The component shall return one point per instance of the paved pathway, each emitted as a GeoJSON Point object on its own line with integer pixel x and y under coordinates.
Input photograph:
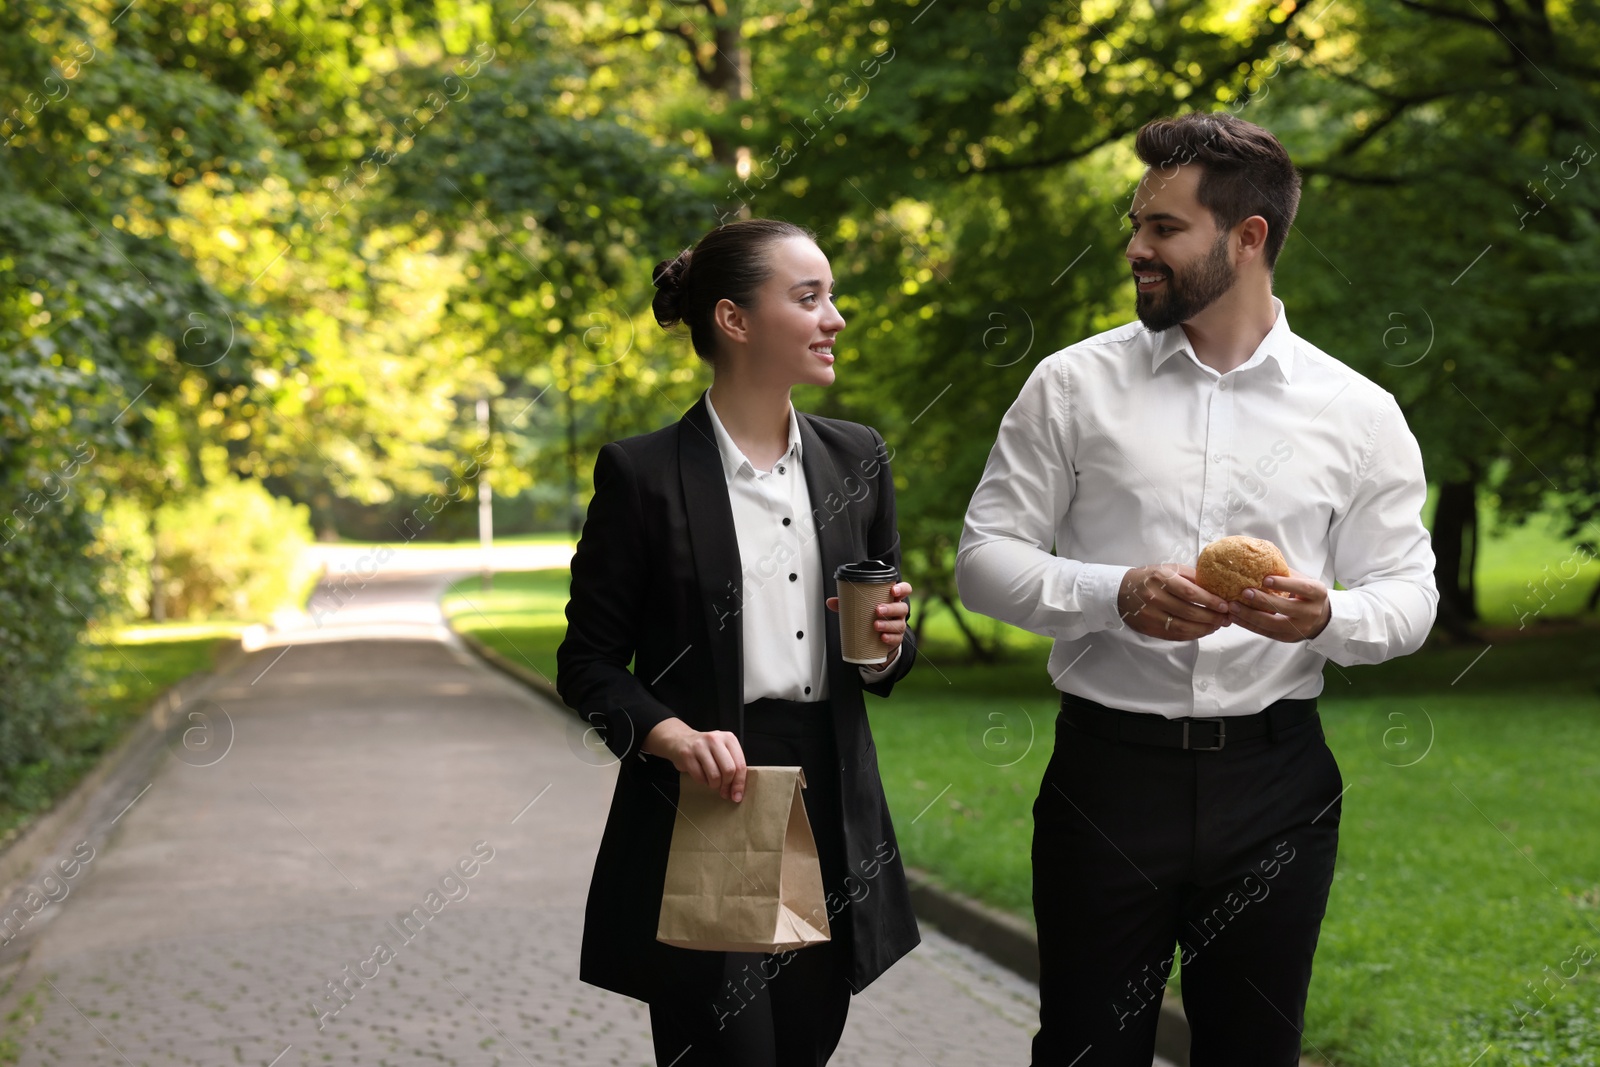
{"type": "Point", "coordinates": [358, 773]}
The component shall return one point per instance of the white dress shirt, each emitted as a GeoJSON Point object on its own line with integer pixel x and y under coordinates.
{"type": "Point", "coordinates": [1125, 450]}
{"type": "Point", "coordinates": [782, 609]}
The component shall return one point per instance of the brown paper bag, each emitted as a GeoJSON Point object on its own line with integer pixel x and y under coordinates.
{"type": "Point", "coordinates": [743, 877]}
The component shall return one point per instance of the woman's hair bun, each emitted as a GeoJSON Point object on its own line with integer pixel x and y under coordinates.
{"type": "Point", "coordinates": [731, 263]}
{"type": "Point", "coordinates": [668, 278]}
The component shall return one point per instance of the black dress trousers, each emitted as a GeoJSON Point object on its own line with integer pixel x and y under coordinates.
{"type": "Point", "coordinates": [779, 1009]}
{"type": "Point", "coordinates": [1220, 861]}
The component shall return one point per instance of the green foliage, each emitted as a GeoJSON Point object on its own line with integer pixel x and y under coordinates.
{"type": "Point", "coordinates": [1448, 234]}
{"type": "Point", "coordinates": [232, 550]}
{"type": "Point", "coordinates": [97, 141]}
{"type": "Point", "coordinates": [294, 242]}
{"type": "Point", "coordinates": [126, 547]}
{"type": "Point", "coordinates": [120, 675]}
{"type": "Point", "coordinates": [557, 208]}
{"type": "Point", "coordinates": [1563, 1034]}
{"type": "Point", "coordinates": [48, 592]}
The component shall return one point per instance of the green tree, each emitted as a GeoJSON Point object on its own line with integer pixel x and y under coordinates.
{"type": "Point", "coordinates": [1450, 153]}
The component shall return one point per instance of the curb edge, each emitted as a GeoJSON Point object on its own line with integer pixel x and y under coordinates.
{"type": "Point", "coordinates": [25, 859]}
{"type": "Point", "coordinates": [1012, 943]}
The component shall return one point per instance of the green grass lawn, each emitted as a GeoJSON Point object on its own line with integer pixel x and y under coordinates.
{"type": "Point", "coordinates": [1469, 859]}
{"type": "Point", "coordinates": [523, 618]}
{"type": "Point", "coordinates": [1527, 575]}
{"type": "Point", "coordinates": [122, 675]}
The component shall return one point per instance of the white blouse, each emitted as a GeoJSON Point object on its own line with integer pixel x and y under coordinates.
{"type": "Point", "coordinates": [782, 613]}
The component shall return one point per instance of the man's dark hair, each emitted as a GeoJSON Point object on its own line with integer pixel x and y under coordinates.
{"type": "Point", "coordinates": [1244, 170]}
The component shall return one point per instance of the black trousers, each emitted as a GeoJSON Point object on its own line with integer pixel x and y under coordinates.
{"type": "Point", "coordinates": [782, 1009]}
{"type": "Point", "coordinates": [1218, 860]}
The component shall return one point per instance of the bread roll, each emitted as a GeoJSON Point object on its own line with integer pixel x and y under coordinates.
{"type": "Point", "coordinates": [1230, 565]}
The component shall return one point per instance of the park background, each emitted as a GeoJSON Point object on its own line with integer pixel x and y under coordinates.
{"type": "Point", "coordinates": [280, 275]}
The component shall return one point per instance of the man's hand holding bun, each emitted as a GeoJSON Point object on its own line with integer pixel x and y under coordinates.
{"type": "Point", "coordinates": [1242, 580]}
{"type": "Point", "coordinates": [1163, 601]}
{"type": "Point", "coordinates": [1264, 595]}
{"type": "Point", "coordinates": [1290, 609]}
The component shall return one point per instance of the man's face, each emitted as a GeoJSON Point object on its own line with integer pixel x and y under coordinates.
{"type": "Point", "coordinates": [1180, 260]}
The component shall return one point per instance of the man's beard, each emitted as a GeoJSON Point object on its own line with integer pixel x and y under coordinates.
{"type": "Point", "coordinates": [1189, 292]}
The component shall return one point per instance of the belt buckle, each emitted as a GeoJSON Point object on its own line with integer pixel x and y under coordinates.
{"type": "Point", "coordinates": [1222, 737]}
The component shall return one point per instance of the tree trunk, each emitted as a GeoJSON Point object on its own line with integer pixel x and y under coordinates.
{"type": "Point", "coordinates": [1455, 546]}
{"type": "Point", "coordinates": [158, 582]}
{"type": "Point", "coordinates": [323, 518]}
{"type": "Point", "coordinates": [730, 76]}
{"type": "Point", "coordinates": [979, 652]}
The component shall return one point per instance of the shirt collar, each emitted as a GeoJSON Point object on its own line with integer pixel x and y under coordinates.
{"type": "Point", "coordinates": [732, 458]}
{"type": "Point", "coordinates": [1277, 345]}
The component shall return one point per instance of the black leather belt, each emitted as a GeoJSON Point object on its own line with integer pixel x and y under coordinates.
{"type": "Point", "coordinates": [1205, 734]}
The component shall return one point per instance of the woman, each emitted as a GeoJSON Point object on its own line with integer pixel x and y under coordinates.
{"type": "Point", "coordinates": [707, 560]}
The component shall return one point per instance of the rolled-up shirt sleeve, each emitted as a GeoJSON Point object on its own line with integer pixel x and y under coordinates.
{"type": "Point", "coordinates": [1382, 554]}
{"type": "Point", "coordinates": [1005, 566]}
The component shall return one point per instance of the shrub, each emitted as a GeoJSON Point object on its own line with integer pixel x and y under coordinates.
{"type": "Point", "coordinates": [232, 550]}
{"type": "Point", "coordinates": [48, 589]}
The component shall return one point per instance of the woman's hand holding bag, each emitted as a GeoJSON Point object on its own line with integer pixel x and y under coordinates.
{"type": "Point", "coordinates": [711, 757]}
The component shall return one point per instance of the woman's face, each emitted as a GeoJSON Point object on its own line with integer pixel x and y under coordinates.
{"type": "Point", "coordinates": [789, 332]}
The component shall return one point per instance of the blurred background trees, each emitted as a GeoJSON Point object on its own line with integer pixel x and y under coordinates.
{"type": "Point", "coordinates": [284, 248]}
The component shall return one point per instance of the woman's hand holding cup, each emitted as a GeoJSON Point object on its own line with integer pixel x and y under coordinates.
{"type": "Point", "coordinates": [711, 757]}
{"type": "Point", "coordinates": [877, 597]}
{"type": "Point", "coordinates": [890, 621]}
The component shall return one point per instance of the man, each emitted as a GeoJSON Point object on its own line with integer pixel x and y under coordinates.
{"type": "Point", "coordinates": [1191, 807]}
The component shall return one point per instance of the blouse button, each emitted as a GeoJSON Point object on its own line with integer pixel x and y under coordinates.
{"type": "Point", "coordinates": [799, 633]}
{"type": "Point", "coordinates": [780, 468]}
{"type": "Point", "coordinates": [786, 522]}
{"type": "Point", "coordinates": [808, 690]}
{"type": "Point", "coordinates": [794, 577]}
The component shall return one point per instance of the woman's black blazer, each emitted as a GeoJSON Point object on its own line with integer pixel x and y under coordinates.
{"type": "Point", "coordinates": [656, 581]}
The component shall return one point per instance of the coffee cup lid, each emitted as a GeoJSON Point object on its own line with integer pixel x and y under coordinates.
{"type": "Point", "coordinates": [867, 570]}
